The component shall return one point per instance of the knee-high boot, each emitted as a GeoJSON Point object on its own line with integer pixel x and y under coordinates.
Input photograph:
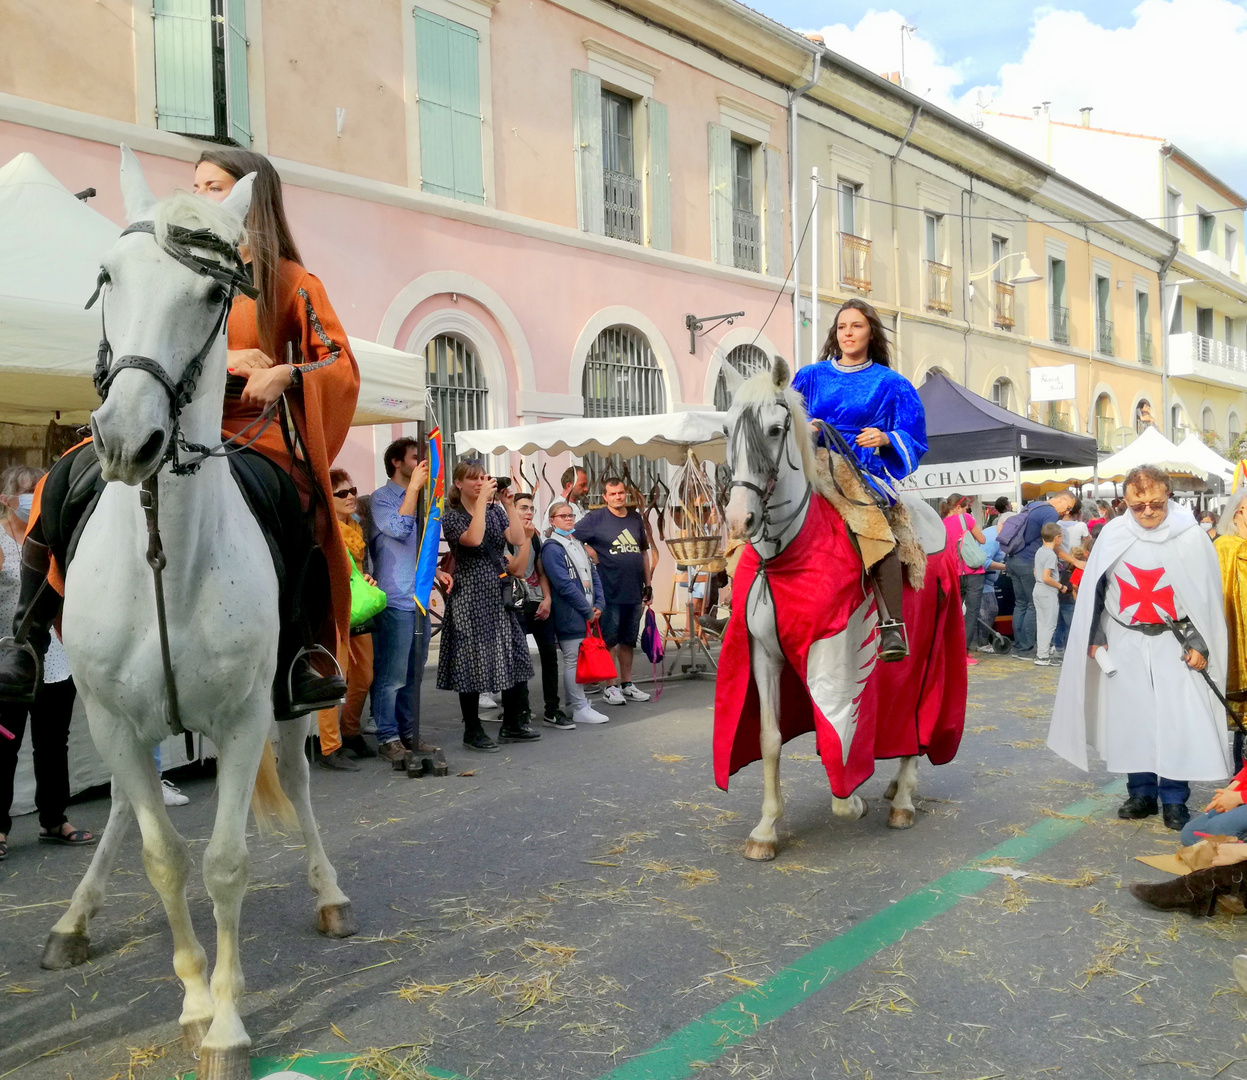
{"type": "Point", "coordinates": [886, 583]}
{"type": "Point", "coordinates": [1197, 892]}
{"type": "Point", "coordinates": [21, 656]}
{"type": "Point", "coordinates": [300, 688]}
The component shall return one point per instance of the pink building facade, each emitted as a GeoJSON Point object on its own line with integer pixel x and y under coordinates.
{"type": "Point", "coordinates": [529, 198]}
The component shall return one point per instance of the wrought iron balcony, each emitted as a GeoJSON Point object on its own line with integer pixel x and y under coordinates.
{"type": "Point", "coordinates": [1104, 337]}
{"type": "Point", "coordinates": [1145, 347]}
{"type": "Point", "coordinates": [939, 288]}
{"type": "Point", "coordinates": [1004, 305]}
{"type": "Point", "coordinates": [746, 241]}
{"type": "Point", "coordinates": [1058, 321]}
{"type": "Point", "coordinates": [855, 261]}
{"type": "Point", "coordinates": [622, 199]}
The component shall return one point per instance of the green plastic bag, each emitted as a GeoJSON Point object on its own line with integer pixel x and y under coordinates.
{"type": "Point", "coordinates": [367, 600]}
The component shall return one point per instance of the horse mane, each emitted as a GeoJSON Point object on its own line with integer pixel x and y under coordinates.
{"type": "Point", "coordinates": [760, 389]}
{"type": "Point", "coordinates": [195, 212]}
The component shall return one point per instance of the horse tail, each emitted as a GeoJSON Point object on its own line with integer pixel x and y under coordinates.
{"type": "Point", "coordinates": [269, 803]}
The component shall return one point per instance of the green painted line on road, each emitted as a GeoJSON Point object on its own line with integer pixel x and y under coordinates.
{"type": "Point", "coordinates": [712, 1035]}
{"type": "Point", "coordinates": [322, 1067]}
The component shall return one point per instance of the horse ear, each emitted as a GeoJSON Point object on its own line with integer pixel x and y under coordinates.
{"type": "Point", "coordinates": [138, 196]}
{"type": "Point", "coordinates": [780, 374]}
{"type": "Point", "coordinates": [238, 201]}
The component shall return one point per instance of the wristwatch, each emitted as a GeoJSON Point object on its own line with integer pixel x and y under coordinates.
{"type": "Point", "coordinates": [296, 377]}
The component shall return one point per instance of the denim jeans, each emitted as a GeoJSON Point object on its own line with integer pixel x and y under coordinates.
{"type": "Point", "coordinates": [400, 651]}
{"type": "Point", "coordinates": [1022, 573]}
{"type": "Point", "coordinates": [573, 692]}
{"type": "Point", "coordinates": [1231, 823]}
{"type": "Point", "coordinates": [972, 599]}
{"type": "Point", "coordinates": [1147, 785]}
{"type": "Point", "coordinates": [1065, 617]}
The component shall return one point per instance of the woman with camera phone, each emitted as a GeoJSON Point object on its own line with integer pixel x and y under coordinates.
{"type": "Point", "coordinates": [483, 646]}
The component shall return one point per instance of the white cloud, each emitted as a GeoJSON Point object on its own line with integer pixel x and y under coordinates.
{"type": "Point", "coordinates": [1176, 71]}
{"type": "Point", "coordinates": [875, 43]}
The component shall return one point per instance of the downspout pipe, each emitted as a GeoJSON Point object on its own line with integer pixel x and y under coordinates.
{"type": "Point", "coordinates": [896, 235]}
{"type": "Point", "coordinates": [793, 172]}
{"type": "Point", "coordinates": [1164, 336]}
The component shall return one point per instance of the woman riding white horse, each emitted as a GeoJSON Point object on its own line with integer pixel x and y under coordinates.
{"type": "Point", "coordinates": [168, 283]}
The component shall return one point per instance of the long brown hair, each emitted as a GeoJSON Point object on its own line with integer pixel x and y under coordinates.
{"type": "Point", "coordinates": [877, 350]}
{"type": "Point", "coordinates": [467, 469]}
{"type": "Point", "coordinates": [268, 234]}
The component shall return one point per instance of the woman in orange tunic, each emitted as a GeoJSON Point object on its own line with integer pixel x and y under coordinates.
{"type": "Point", "coordinates": [287, 342]}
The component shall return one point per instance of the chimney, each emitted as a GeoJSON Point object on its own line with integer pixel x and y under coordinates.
{"type": "Point", "coordinates": [1084, 116]}
{"type": "Point", "coordinates": [816, 38]}
{"type": "Point", "coordinates": [1045, 106]}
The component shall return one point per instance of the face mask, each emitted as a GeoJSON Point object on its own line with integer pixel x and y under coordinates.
{"type": "Point", "coordinates": [25, 503]}
{"type": "Point", "coordinates": [563, 532]}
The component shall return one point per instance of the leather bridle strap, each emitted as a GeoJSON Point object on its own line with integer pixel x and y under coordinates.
{"type": "Point", "coordinates": [149, 498]}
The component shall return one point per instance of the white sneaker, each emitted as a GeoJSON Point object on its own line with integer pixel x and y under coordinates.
{"type": "Point", "coordinates": [631, 690]}
{"type": "Point", "coordinates": [487, 702]}
{"type": "Point", "coordinates": [987, 648]}
{"type": "Point", "coordinates": [589, 715]}
{"type": "Point", "coordinates": [612, 695]}
{"type": "Point", "coordinates": [173, 797]}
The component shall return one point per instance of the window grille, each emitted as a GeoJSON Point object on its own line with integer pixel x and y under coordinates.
{"type": "Point", "coordinates": [747, 360]}
{"type": "Point", "coordinates": [746, 241]}
{"type": "Point", "coordinates": [1003, 304]}
{"type": "Point", "coordinates": [622, 378]}
{"type": "Point", "coordinates": [939, 288]}
{"type": "Point", "coordinates": [457, 387]}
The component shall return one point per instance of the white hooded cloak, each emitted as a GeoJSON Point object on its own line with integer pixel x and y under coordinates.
{"type": "Point", "coordinates": [1156, 714]}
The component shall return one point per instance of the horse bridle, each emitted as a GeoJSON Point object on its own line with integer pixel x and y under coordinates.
{"type": "Point", "coordinates": [232, 277]}
{"type": "Point", "coordinates": [772, 478]}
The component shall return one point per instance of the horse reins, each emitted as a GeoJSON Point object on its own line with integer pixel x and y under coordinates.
{"type": "Point", "coordinates": [772, 478]}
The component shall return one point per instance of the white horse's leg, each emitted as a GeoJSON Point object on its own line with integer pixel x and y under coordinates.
{"type": "Point", "coordinates": [68, 942]}
{"type": "Point", "coordinates": [761, 845]}
{"type": "Point", "coordinates": [225, 1054]}
{"type": "Point", "coordinates": [901, 792]}
{"type": "Point", "coordinates": [166, 858]}
{"type": "Point", "coordinates": [853, 807]}
{"type": "Point", "coordinates": [333, 908]}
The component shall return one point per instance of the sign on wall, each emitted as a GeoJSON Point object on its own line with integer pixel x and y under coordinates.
{"type": "Point", "coordinates": [1053, 383]}
{"type": "Point", "coordinates": [985, 477]}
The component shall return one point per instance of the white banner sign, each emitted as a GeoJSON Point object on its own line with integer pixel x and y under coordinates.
{"type": "Point", "coordinates": [1053, 383]}
{"type": "Point", "coordinates": [987, 477]}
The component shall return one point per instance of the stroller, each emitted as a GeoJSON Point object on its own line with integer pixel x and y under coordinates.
{"type": "Point", "coordinates": [999, 643]}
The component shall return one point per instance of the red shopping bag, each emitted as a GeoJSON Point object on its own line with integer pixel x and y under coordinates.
{"type": "Point", "coordinates": [594, 663]}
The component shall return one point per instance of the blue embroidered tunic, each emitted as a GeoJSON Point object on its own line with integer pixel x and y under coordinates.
{"type": "Point", "coordinates": [851, 399]}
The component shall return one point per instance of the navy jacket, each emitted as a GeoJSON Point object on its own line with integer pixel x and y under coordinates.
{"type": "Point", "coordinates": [569, 608]}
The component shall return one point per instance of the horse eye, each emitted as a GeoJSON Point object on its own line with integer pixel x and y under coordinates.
{"type": "Point", "coordinates": [217, 294]}
{"type": "Point", "coordinates": [774, 431]}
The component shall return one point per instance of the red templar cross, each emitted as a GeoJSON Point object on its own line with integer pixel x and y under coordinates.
{"type": "Point", "coordinates": [1151, 600]}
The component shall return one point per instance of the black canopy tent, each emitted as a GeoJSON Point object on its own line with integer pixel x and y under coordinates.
{"type": "Point", "coordinates": [961, 426]}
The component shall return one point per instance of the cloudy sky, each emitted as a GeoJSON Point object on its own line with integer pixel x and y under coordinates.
{"type": "Point", "coordinates": [1174, 68]}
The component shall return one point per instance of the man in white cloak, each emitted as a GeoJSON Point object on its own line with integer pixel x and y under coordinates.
{"type": "Point", "coordinates": [1154, 717]}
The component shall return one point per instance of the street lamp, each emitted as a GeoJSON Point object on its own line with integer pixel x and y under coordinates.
{"type": "Point", "coordinates": [1025, 275]}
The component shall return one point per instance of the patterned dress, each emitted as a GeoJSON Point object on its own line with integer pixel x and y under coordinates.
{"type": "Point", "coordinates": [483, 648]}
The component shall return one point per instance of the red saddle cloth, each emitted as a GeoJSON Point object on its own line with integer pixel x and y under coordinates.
{"type": "Point", "coordinates": [913, 707]}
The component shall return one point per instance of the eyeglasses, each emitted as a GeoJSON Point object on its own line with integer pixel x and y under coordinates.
{"type": "Point", "coordinates": [345, 492]}
{"type": "Point", "coordinates": [1154, 507]}
{"type": "Point", "coordinates": [561, 517]}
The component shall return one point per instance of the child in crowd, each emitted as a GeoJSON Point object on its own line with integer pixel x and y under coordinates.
{"type": "Point", "coordinates": [1048, 588]}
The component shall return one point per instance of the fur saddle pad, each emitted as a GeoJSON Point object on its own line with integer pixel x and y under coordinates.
{"type": "Point", "coordinates": [839, 485]}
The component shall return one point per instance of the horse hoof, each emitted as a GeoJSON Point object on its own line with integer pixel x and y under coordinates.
{"type": "Point", "coordinates": [62, 951]}
{"type": "Point", "coordinates": [193, 1034]}
{"type": "Point", "coordinates": [233, 1064]}
{"type": "Point", "coordinates": [890, 794]}
{"type": "Point", "coordinates": [760, 850]}
{"type": "Point", "coordinates": [336, 920]}
{"type": "Point", "coordinates": [901, 819]}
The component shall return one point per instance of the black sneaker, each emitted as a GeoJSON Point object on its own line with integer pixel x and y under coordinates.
{"type": "Point", "coordinates": [337, 761]}
{"type": "Point", "coordinates": [481, 741]}
{"type": "Point", "coordinates": [1137, 807]}
{"type": "Point", "coordinates": [1175, 815]}
{"type": "Point", "coordinates": [559, 720]}
{"type": "Point", "coordinates": [518, 733]}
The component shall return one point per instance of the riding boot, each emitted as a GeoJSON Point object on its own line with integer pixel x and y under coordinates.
{"type": "Point", "coordinates": [1195, 893]}
{"type": "Point", "coordinates": [300, 687]}
{"type": "Point", "coordinates": [885, 581]}
{"type": "Point", "coordinates": [21, 656]}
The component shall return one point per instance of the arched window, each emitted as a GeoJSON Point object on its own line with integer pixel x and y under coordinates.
{"type": "Point", "coordinates": [457, 388]}
{"type": "Point", "coordinates": [1143, 418]}
{"type": "Point", "coordinates": [1177, 423]}
{"type": "Point", "coordinates": [1235, 427]}
{"type": "Point", "coordinates": [932, 372]}
{"type": "Point", "coordinates": [1105, 422]}
{"type": "Point", "coordinates": [622, 378]}
{"type": "Point", "coordinates": [1207, 422]}
{"type": "Point", "coordinates": [746, 360]}
{"type": "Point", "coordinates": [1002, 394]}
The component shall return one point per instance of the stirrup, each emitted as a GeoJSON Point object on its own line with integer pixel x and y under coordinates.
{"type": "Point", "coordinates": [893, 655]}
{"type": "Point", "coordinates": [310, 650]}
{"type": "Point", "coordinates": [27, 698]}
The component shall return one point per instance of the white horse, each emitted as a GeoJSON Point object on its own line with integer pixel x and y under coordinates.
{"type": "Point", "coordinates": [220, 592]}
{"type": "Point", "coordinates": [770, 502]}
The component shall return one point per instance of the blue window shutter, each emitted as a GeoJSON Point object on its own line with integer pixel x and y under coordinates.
{"type": "Point", "coordinates": [183, 32]}
{"type": "Point", "coordinates": [659, 177]}
{"type": "Point", "coordinates": [448, 84]}
{"type": "Point", "coordinates": [465, 112]}
{"type": "Point", "coordinates": [721, 195]}
{"type": "Point", "coordinates": [237, 99]}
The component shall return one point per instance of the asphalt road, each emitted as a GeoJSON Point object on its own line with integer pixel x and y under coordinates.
{"type": "Point", "coordinates": [579, 908]}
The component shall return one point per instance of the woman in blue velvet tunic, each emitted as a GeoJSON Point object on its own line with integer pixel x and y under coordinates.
{"type": "Point", "coordinates": [854, 389]}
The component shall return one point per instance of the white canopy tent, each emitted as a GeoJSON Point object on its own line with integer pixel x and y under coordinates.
{"type": "Point", "coordinates": [658, 436]}
{"type": "Point", "coordinates": [1191, 458]}
{"type": "Point", "coordinates": [1199, 451]}
{"type": "Point", "coordinates": [51, 244]}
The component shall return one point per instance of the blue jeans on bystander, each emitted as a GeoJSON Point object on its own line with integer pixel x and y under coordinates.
{"type": "Point", "coordinates": [1147, 785]}
{"type": "Point", "coordinates": [401, 649]}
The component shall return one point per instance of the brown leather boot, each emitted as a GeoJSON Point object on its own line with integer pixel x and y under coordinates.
{"type": "Point", "coordinates": [1195, 893]}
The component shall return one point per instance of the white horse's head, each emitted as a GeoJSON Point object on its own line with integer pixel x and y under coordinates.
{"type": "Point", "coordinates": [160, 312]}
{"type": "Point", "coordinates": [768, 447]}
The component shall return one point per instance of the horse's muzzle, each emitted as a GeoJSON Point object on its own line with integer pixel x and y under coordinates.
{"type": "Point", "coordinates": [130, 445]}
